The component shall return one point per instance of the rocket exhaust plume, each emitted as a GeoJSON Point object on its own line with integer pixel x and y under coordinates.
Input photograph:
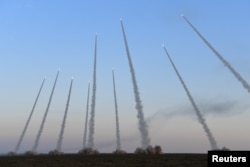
{"type": "Point", "coordinates": [45, 116]}
{"type": "Point", "coordinates": [60, 138]}
{"type": "Point", "coordinates": [220, 57]}
{"type": "Point", "coordinates": [86, 120]}
{"type": "Point", "coordinates": [118, 139]}
{"type": "Point", "coordinates": [92, 113]}
{"type": "Point", "coordinates": [198, 113]}
{"type": "Point", "coordinates": [142, 124]}
{"type": "Point", "coordinates": [28, 121]}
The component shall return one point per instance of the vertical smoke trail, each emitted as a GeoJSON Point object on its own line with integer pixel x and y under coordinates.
{"type": "Point", "coordinates": [60, 138]}
{"type": "Point", "coordinates": [118, 139]}
{"type": "Point", "coordinates": [45, 116]}
{"type": "Point", "coordinates": [198, 113]}
{"type": "Point", "coordinates": [92, 113]}
{"type": "Point", "coordinates": [28, 121]}
{"type": "Point", "coordinates": [86, 120]}
{"type": "Point", "coordinates": [142, 124]}
{"type": "Point", "coordinates": [227, 64]}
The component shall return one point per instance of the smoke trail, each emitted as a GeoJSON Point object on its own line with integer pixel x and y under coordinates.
{"type": "Point", "coordinates": [60, 138]}
{"type": "Point", "coordinates": [28, 121]}
{"type": "Point", "coordinates": [225, 62]}
{"type": "Point", "coordinates": [198, 113]}
{"type": "Point", "coordinates": [45, 116]}
{"type": "Point", "coordinates": [142, 124]}
{"type": "Point", "coordinates": [92, 113]}
{"type": "Point", "coordinates": [86, 120]}
{"type": "Point", "coordinates": [118, 139]}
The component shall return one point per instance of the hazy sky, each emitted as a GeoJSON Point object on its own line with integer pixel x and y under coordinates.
{"type": "Point", "coordinates": [39, 36]}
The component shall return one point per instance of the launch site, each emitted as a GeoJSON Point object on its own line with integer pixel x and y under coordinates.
{"type": "Point", "coordinates": [123, 83]}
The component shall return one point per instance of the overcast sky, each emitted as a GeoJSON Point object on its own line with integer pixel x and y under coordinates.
{"type": "Point", "coordinates": [39, 36]}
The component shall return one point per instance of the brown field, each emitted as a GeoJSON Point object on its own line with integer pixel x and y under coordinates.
{"type": "Point", "coordinates": [106, 160]}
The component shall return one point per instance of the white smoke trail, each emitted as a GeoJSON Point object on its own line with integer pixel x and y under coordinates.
{"type": "Point", "coordinates": [28, 121]}
{"type": "Point", "coordinates": [92, 113]}
{"type": "Point", "coordinates": [45, 116]}
{"type": "Point", "coordinates": [86, 120]}
{"type": "Point", "coordinates": [142, 124]}
{"type": "Point", "coordinates": [60, 138]}
{"type": "Point", "coordinates": [221, 58]}
{"type": "Point", "coordinates": [198, 113]}
{"type": "Point", "coordinates": [118, 139]}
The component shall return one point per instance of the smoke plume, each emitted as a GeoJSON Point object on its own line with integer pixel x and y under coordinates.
{"type": "Point", "coordinates": [142, 124]}
{"type": "Point", "coordinates": [92, 113]}
{"type": "Point", "coordinates": [28, 121]}
{"type": "Point", "coordinates": [60, 138]}
{"type": "Point", "coordinates": [45, 116]}
{"type": "Point", "coordinates": [212, 107]}
{"type": "Point", "coordinates": [221, 58]}
{"type": "Point", "coordinates": [198, 113]}
{"type": "Point", "coordinates": [118, 139]}
{"type": "Point", "coordinates": [86, 120]}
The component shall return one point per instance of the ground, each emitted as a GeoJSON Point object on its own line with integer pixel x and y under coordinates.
{"type": "Point", "coordinates": [106, 160]}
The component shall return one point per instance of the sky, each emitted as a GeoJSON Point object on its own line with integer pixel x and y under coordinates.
{"type": "Point", "coordinates": [39, 36]}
